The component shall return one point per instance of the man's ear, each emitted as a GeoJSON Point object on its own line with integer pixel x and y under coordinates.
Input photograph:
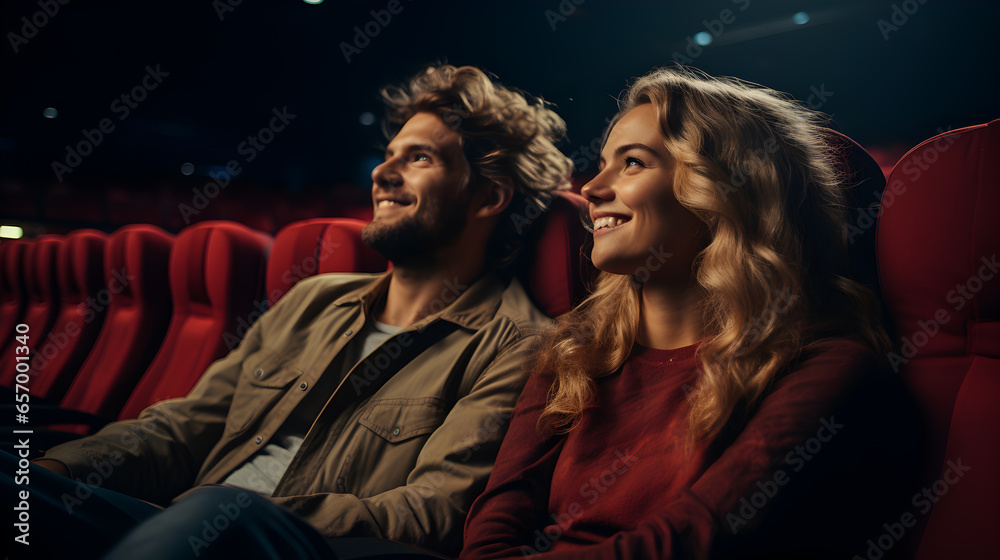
{"type": "Point", "coordinates": [498, 197]}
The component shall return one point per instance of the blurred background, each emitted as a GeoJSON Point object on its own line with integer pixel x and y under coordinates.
{"type": "Point", "coordinates": [122, 112]}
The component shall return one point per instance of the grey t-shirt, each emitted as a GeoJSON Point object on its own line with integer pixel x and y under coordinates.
{"type": "Point", "coordinates": [262, 471]}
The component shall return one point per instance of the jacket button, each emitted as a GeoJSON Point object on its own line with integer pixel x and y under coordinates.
{"type": "Point", "coordinates": [258, 373]}
{"type": "Point", "coordinates": [303, 385]}
{"type": "Point", "coordinates": [258, 440]}
{"type": "Point", "coordinates": [349, 332]}
{"type": "Point", "coordinates": [395, 432]}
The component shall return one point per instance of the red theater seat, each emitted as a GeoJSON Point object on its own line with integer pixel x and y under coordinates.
{"type": "Point", "coordinates": [316, 246]}
{"type": "Point", "coordinates": [138, 300]}
{"type": "Point", "coordinates": [865, 187]}
{"type": "Point", "coordinates": [557, 270]}
{"type": "Point", "coordinates": [217, 285]}
{"type": "Point", "coordinates": [938, 245]}
{"type": "Point", "coordinates": [43, 300]}
{"type": "Point", "coordinates": [81, 315]}
{"type": "Point", "coordinates": [13, 293]}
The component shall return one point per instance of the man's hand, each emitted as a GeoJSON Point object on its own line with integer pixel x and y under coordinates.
{"type": "Point", "coordinates": [55, 466]}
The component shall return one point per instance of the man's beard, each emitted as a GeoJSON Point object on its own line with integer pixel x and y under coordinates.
{"type": "Point", "coordinates": [412, 240]}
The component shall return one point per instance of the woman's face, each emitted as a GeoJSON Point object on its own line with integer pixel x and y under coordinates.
{"type": "Point", "coordinates": [639, 226]}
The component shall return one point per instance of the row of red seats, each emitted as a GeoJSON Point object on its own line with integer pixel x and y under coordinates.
{"type": "Point", "coordinates": [123, 317]}
{"type": "Point", "coordinates": [119, 322]}
{"type": "Point", "coordinates": [175, 204]}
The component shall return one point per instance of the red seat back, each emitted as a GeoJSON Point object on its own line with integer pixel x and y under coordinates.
{"type": "Point", "coordinates": [13, 293]}
{"type": "Point", "coordinates": [558, 270]}
{"type": "Point", "coordinates": [138, 311]}
{"type": "Point", "coordinates": [865, 185]}
{"type": "Point", "coordinates": [42, 301]}
{"type": "Point", "coordinates": [217, 285]}
{"type": "Point", "coordinates": [938, 245]}
{"type": "Point", "coordinates": [81, 278]}
{"type": "Point", "coordinates": [321, 245]}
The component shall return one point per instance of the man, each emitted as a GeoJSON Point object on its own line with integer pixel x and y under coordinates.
{"type": "Point", "coordinates": [368, 405]}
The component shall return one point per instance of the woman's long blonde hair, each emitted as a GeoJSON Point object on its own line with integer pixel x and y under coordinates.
{"type": "Point", "coordinates": [754, 166]}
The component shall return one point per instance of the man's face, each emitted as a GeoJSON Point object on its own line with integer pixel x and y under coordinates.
{"type": "Point", "coordinates": [420, 192]}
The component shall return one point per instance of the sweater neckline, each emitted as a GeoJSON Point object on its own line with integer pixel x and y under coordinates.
{"type": "Point", "coordinates": [659, 356]}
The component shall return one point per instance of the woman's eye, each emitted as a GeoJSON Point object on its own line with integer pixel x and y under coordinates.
{"type": "Point", "coordinates": [633, 162]}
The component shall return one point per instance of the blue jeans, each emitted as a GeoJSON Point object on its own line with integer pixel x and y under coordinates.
{"type": "Point", "coordinates": [71, 519]}
{"type": "Point", "coordinates": [63, 518]}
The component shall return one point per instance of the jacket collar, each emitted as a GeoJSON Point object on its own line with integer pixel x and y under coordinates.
{"type": "Point", "coordinates": [469, 307]}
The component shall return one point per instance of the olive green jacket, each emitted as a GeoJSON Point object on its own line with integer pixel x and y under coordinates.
{"type": "Point", "coordinates": [401, 449]}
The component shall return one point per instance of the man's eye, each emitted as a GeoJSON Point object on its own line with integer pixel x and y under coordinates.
{"type": "Point", "coordinates": [420, 156]}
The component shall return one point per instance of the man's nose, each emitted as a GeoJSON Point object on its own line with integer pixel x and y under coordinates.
{"type": "Point", "coordinates": [386, 174]}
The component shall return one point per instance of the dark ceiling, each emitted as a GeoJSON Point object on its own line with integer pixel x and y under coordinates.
{"type": "Point", "coordinates": [931, 65]}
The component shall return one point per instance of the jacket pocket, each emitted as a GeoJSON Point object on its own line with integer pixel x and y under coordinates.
{"type": "Point", "coordinates": [261, 384]}
{"type": "Point", "coordinates": [397, 420]}
{"type": "Point", "coordinates": [382, 451]}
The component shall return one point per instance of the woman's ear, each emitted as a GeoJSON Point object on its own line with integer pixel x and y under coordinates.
{"type": "Point", "coordinates": [498, 197]}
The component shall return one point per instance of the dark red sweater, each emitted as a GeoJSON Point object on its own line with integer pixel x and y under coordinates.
{"type": "Point", "coordinates": [624, 483]}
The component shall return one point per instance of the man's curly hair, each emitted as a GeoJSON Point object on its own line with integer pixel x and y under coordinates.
{"type": "Point", "coordinates": [506, 135]}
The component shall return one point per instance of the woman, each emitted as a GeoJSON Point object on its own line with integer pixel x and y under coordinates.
{"type": "Point", "coordinates": [717, 392]}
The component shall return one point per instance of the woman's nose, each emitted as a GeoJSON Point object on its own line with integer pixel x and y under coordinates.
{"type": "Point", "coordinates": [597, 189]}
